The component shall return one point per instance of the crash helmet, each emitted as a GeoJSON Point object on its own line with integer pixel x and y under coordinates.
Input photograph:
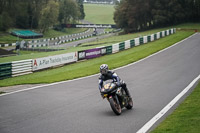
{"type": "Point", "coordinates": [104, 69]}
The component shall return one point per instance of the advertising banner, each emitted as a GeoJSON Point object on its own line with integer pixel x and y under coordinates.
{"type": "Point", "coordinates": [50, 61]}
{"type": "Point", "coordinates": [92, 53]}
{"type": "Point", "coordinates": [103, 50]}
{"type": "Point", "coordinates": [81, 55]}
{"type": "Point", "coordinates": [104, 26]}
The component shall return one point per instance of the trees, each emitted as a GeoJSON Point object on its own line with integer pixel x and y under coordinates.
{"type": "Point", "coordinates": [49, 15]}
{"type": "Point", "coordinates": [69, 11]}
{"type": "Point", "coordinates": [135, 15]}
{"type": "Point", "coordinates": [39, 13]}
{"type": "Point", "coordinates": [5, 21]}
{"type": "Point", "coordinates": [81, 8]}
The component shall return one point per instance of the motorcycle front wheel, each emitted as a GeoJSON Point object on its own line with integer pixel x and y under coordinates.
{"type": "Point", "coordinates": [115, 106]}
{"type": "Point", "coordinates": [130, 104]}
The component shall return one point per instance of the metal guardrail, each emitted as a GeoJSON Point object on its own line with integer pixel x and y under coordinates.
{"type": "Point", "coordinates": [21, 67]}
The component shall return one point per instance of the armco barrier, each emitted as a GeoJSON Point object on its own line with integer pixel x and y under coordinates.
{"type": "Point", "coordinates": [17, 68]}
{"type": "Point", "coordinates": [121, 46]}
{"type": "Point", "coordinates": [141, 40]}
{"type": "Point", "coordinates": [115, 48]}
{"type": "Point", "coordinates": [137, 41]}
{"type": "Point", "coordinates": [145, 39]}
{"type": "Point", "coordinates": [132, 43]}
{"type": "Point", "coordinates": [158, 35]}
{"type": "Point", "coordinates": [5, 70]}
{"type": "Point", "coordinates": [21, 67]}
{"type": "Point", "coordinates": [109, 49]}
{"type": "Point", "coordinates": [149, 38]}
{"type": "Point", "coordinates": [127, 44]}
{"type": "Point", "coordinates": [155, 36]}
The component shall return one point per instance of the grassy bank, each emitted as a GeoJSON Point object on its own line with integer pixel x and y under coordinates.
{"type": "Point", "coordinates": [102, 42]}
{"type": "Point", "coordinates": [6, 38]}
{"type": "Point", "coordinates": [81, 69]}
{"type": "Point", "coordinates": [99, 14]}
{"type": "Point", "coordinates": [186, 118]}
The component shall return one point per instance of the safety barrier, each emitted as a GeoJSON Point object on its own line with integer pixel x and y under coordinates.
{"type": "Point", "coordinates": [5, 70]}
{"type": "Point", "coordinates": [57, 40]}
{"type": "Point", "coordinates": [44, 42]}
{"type": "Point", "coordinates": [17, 68]}
{"type": "Point", "coordinates": [21, 67]}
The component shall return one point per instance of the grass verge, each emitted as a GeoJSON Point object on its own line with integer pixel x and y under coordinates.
{"type": "Point", "coordinates": [99, 14]}
{"type": "Point", "coordinates": [90, 67]}
{"type": "Point", "coordinates": [1, 92]}
{"type": "Point", "coordinates": [186, 118]}
{"type": "Point", "coordinates": [6, 38]}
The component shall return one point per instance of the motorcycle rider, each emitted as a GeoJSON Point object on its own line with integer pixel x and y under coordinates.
{"type": "Point", "coordinates": [106, 74]}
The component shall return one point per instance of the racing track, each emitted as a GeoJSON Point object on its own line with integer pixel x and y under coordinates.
{"type": "Point", "coordinates": [77, 107]}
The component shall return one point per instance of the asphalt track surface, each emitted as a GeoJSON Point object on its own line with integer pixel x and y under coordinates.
{"type": "Point", "coordinates": [77, 107]}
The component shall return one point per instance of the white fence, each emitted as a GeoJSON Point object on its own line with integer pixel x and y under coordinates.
{"type": "Point", "coordinates": [21, 67]}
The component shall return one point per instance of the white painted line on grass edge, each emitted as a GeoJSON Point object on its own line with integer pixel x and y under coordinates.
{"type": "Point", "coordinates": [150, 123]}
{"type": "Point", "coordinates": [36, 87]}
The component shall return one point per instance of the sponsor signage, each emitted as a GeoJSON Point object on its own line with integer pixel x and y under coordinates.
{"type": "Point", "coordinates": [50, 61]}
{"type": "Point", "coordinates": [88, 26]}
{"type": "Point", "coordinates": [103, 51]}
{"type": "Point", "coordinates": [90, 53]}
{"type": "Point", "coordinates": [81, 55]}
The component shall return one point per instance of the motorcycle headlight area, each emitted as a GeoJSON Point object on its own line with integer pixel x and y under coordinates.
{"type": "Point", "coordinates": [102, 90]}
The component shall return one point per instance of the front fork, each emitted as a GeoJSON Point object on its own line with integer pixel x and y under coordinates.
{"type": "Point", "coordinates": [116, 98]}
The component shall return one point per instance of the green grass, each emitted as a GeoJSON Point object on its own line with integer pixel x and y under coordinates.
{"type": "Point", "coordinates": [80, 69]}
{"type": "Point", "coordinates": [6, 38]}
{"type": "Point", "coordinates": [53, 33]}
{"type": "Point", "coordinates": [103, 42]}
{"type": "Point", "coordinates": [186, 118]}
{"type": "Point", "coordinates": [121, 38]}
{"type": "Point", "coordinates": [99, 14]}
{"type": "Point", "coordinates": [23, 52]}
{"type": "Point", "coordinates": [1, 92]}
{"type": "Point", "coordinates": [32, 55]}
{"type": "Point", "coordinates": [189, 26]}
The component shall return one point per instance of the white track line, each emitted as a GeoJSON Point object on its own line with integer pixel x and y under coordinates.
{"type": "Point", "coordinates": [32, 88]}
{"type": "Point", "coordinates": [150, 123]}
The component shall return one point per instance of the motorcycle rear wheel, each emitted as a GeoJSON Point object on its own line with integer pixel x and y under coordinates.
{"type": "Point", "coordinates": [115, 106]}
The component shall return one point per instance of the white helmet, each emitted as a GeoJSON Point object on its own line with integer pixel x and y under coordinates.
{"type": "Point", "coordinates": [104, 69]}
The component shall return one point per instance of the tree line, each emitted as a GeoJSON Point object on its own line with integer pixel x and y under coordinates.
{"type": "Point", "coordinates": [39, 14]}
{"type": "Point", "coordinates": [137, 15]}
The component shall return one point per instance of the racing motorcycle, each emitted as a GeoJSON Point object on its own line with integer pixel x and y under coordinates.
{"type": "Point", "coordinates": [117, 97]}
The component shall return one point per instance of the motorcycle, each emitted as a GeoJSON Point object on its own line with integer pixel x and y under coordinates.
{"type": "Point", "coordinates": [117, 97]}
